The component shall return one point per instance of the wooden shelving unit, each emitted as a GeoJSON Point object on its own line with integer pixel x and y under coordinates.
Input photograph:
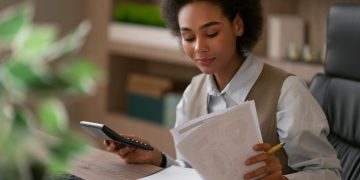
{"type": "Point", "coordinates": [145, 42]}
{"type": "Point", "coordinates": [157, 45]}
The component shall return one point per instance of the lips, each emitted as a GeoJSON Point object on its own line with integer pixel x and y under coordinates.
{"type": "Point", "coordinates": [205, 61]}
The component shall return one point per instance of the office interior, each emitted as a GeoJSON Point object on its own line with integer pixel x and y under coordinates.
{"type": "Point", "coordinates": [129, 53]}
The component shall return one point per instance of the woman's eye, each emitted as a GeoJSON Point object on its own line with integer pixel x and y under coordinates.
{"type": "Point", "coordinates": [211, 35]}
{"type": "Point", "coordinates": [189, 39]}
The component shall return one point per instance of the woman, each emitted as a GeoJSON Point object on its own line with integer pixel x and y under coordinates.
{"type": "Point", "coordinates": [218, 35]}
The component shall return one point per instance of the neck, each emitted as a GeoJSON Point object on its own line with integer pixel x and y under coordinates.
{"type": "Point", "coordinates": [224, 77]}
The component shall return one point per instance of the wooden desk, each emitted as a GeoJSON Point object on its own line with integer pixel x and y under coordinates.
{"type": "Point", "coordinates": [98, 164]}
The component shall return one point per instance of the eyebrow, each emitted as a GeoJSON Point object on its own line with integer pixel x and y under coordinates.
{"type": "Point", "coordinates": [212, 23]}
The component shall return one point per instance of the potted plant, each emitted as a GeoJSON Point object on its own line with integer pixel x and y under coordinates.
{"type": "Point", "coordinates": [38, 72]}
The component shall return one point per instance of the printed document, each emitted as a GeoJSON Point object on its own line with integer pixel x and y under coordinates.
{"type": "Point", "coordinates": [217, 145]}
{"type": "Point", "coordinates": [174, 173]}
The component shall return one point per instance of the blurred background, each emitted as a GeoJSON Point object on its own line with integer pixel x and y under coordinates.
{"type": "Point", "coordinates": [144, 69]}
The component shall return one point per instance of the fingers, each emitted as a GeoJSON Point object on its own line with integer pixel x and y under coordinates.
{"type": "Point", "coordinates": [123, 152]}
{"type": "Point", "coordinates": [111, 146]}
{"type": "Point", "coordinates": [272, 167]}
{"type": "Point", "coordinates": [262, 147]}
{"type": "Point", "coordinates": [258, 158]}
{"type": "Point", "coordinates": [136, 157]}
{"type": "Point", "coordinates": [131, 154]}
{"type": "Point", "coordinates": [106, 142]}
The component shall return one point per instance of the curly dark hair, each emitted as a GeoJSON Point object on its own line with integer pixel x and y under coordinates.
{"type": "Point", "coordinates": [249, 10]}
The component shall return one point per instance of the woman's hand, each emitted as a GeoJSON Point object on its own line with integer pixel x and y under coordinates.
{"type": "Point", "coordinates": [133, 155]}
{"type": "Point", "coordinates": [271, 171]}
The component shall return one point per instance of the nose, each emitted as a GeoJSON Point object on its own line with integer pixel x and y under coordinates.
{"type": "Point", "coordinates": [201, 45]}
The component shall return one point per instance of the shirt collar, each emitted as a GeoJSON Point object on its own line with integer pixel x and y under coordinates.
{"type": "Point", "coordinates": [240, 85]}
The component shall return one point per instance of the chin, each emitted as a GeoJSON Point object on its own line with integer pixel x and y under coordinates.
{"type": "Point", "coordinates": [206, 70]}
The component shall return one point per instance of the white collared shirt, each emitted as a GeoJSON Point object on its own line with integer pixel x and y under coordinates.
{"type": "Point", "coordinates": [236, 91]}
{"type": "Point", "coordinates": [301, 122]}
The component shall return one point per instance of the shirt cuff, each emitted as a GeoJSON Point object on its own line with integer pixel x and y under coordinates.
{"type": "Point", "coordinates": [170, 161]}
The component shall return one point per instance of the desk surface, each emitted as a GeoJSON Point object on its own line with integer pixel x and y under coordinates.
{"type": "Point", "coordinates": [99, 164]}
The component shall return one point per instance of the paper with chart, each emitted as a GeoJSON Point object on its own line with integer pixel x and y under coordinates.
{"type": "Point", "coordinates": [217, 145]}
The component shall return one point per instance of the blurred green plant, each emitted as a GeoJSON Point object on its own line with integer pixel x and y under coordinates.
{"type": "Point", "coordinates": [37, 71]}
{"type": "Point", "coordinates": [138, 13]}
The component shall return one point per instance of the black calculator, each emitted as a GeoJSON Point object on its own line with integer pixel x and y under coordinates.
{"type": "Point", "coordinates": [104, 132]}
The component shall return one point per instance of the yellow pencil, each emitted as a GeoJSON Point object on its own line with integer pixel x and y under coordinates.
{"type": "Point", "coordinates": [275, 148]}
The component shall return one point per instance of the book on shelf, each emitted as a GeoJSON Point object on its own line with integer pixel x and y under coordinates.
{"type": "Point", "coordinates": [151, 98]}
{"type": "Point", "coordinates": [148, 85]}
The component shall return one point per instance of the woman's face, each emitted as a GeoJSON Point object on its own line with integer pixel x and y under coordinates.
{"type": "Point", "coordinates": [209, 38]}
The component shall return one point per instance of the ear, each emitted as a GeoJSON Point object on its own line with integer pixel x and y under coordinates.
{"type": "Point", "coordinates": [238, 25]}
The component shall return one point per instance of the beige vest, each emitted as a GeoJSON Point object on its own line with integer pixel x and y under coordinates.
{"type": "Point", "coordinates": [265, 93]}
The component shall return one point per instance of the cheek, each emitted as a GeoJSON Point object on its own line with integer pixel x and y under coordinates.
{"type": "Point", "coordinates": [220, 46]}
{"type": "Point", "coordinates": [188, 49]}
{"type": "Point", "coordinates": [225, 45]}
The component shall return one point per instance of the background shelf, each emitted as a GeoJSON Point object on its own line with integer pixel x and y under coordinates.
{"type": "Point", "coordinates": [157, 45]}
{"type": "Point", "coordinates": [146, 42]}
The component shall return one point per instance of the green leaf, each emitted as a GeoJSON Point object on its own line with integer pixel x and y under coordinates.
{"type": "Point", "coordinates": [80, 74]}
{"type": "Point", "coordinates": [13, 20]}
{"type": "Point", "coordinates": [20, 120]}
{"type": "Point", "coordinates": [14, 127]}
{"type": "Point", "coordinates": [52, 116]}
{"type": "Point", "coordinates": [50, 83]}
{"type": "Point", "coordinates": [70, 42]}
{"type": "Point", "coordinates": [19, 77]}
{"type": "Point", "coordinates": [6, 116]}
{"type": "Point", "coordinates": [12, 88]}
{"type": "Point", "coordinates": [23, 75]}
{"type": "Point", "coordinates": [70, 146]}
{"type": "Point", "coordinates": [35, 43]}
{"type": "Point", "coordinates": [22, 72]}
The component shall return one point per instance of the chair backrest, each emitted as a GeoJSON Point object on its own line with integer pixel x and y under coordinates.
{"type": "Point", "coordinates": [338, 90]}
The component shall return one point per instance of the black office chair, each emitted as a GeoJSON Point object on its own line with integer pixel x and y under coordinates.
{"type": "Point", "coordinates": [338, 90]}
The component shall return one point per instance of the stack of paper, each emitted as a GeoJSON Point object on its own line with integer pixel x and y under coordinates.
{"type": "Point", "coordinates": [218, 144]}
